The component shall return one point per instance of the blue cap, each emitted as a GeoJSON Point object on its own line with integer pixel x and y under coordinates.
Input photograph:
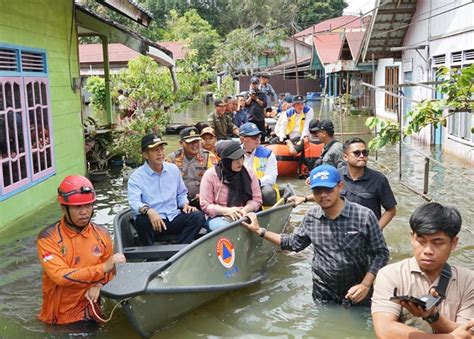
{"type": "Point", "coordinates": [288, 98]}
{"type": "Point", "coordinates": [249, 129]}
{"type": "Point", "coordinates": [324, 176]}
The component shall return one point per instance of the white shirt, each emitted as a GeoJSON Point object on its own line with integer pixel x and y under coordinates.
{"type": "Point", "coordinates": [271, 168]}
{"type": "Point", "coordinates": [280, 128]}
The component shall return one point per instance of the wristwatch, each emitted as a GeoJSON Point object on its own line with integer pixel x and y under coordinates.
{"type": "Point", "coordinates": [432, 318]}
{"type": "Point", "coordinates": [261, 232]}
{"type": "Point", "coordinates": [144, 209]}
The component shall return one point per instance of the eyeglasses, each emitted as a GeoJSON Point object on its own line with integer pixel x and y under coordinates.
{"type": "Point", "coordinates": [358, 153]}
{"type": "Point", "coordinates": [82, 190]}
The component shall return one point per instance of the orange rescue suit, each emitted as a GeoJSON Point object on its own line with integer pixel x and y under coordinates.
{"type": "Point", "coordinates": [72, 263]}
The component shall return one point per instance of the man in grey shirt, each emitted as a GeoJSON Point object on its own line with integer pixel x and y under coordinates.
{"type": "Point", "coordinates": [332, 152]}
{"type": "Point", "coordinates": [267, 89]}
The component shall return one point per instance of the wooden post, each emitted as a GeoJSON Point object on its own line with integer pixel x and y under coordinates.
{"type": "Point", "coordinates": [426, 178]}
{"type": "Point", "coordinates": [108, 101]}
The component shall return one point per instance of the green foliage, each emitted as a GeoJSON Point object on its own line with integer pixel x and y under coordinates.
{"type": "Point", "coordinates": [227, 88]}
{"type": "Point", "coordinates": [201, 38]}
{"type": "Point", "coordinates": [151, 91]}
{"type": "Point", "coordinates": [457, 87]}
{"type": "Point", "coordinates": [96, 87]}
{"type": "Point", "coordinates": [242, 47]}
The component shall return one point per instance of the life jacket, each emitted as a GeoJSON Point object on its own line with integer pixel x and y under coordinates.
{"type": "Point", "coordinates": [311, 153]}
{"type": "Point", "coordinates": [260, 160]}
{"type": "Point", "coordinates": [291, 115]}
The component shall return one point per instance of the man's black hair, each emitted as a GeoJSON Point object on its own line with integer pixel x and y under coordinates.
{"type": "Point", "coordinates": [351, 141]}
{"type": "Point", "coordinates": [434, 217]}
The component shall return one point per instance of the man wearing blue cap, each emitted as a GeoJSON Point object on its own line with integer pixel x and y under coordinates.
{"type": "Point", "coordinates": [349, 248]}
{"type": "Point", "coordinates": [261, 160]}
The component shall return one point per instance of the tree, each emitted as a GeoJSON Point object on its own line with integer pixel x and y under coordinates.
{"type": "Point", "coordinates": [457, 86]}
{"type": "Point", "coordinates": [202, 39]}
{"type": "Point", "coordinates": [242, 47]}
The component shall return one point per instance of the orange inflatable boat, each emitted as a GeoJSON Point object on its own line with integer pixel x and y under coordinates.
{"type": "Point", "coordinates": [290, 165]}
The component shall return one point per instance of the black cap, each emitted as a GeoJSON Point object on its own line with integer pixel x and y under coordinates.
{"type": "Point", "coordinates": [152, 140]}
{"type": "Point", "coordinates": [232, 150]}
{"type": "Point", "coordinates": [298, 99]}
{"type": "Point", "coordinates": [265, 75]}
{"type": "Point", "coordinates": [326, 125]}
{"type": "Point", "coordinates": [218, 102]}
{"type": "Point", "coordinates": [189, 134]}
{"type": "Point", "coordinates": [314, 125]}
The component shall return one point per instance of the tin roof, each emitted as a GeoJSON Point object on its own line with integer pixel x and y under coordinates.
{"type": "Point", "coordinates": [118, 53]}
{"type": "Point", "coordinates": [329, 46]}
{"type": "Point", "coordinates": [178, 48]}
{"type": "Point", "coordinates": [387, 28]}
{"type": "Point", "coordinates": [345, 21]}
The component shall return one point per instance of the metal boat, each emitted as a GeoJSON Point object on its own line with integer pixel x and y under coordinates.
{"type": "Point", "coordinates": [160, 283]}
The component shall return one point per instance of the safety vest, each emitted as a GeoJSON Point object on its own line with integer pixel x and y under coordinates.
{"type": "Point", "coordinates": [260, 161]}
{"type": "Point", "coordinates": [291, 115]}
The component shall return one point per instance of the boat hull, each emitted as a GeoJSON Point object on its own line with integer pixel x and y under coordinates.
{"type": "Point", "coordinates": [224, 260]}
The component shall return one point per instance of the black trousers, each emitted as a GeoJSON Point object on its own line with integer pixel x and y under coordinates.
{"type": "Point", "coordinates": [261, 126]}
{"type": "Point", "coordinates": [185, 226]}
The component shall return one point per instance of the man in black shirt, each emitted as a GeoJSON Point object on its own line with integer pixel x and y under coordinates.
{"type": "Point", "coordinates": [364, 185]}
{"type": "Point", "coordinates": [256, 103]}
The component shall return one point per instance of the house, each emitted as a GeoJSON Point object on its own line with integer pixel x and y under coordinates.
{"type": "Point", "coordinates": [337, 45]}
{"type": "Point", "coordinates": [91, 56]}
{"type": "Point", "coordinates": [41, 131]}
{"type": "Point", "coordinates": [445, 39]}
{"type": "Point", "coordinates": [408, 41]}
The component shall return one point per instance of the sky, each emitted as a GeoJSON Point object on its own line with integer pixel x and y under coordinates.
{"type": "Point", "coordinates": [355, 6]}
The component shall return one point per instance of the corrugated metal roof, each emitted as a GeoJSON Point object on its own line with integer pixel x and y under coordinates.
{"type": "Point", "coordinates": [329, 46]}
{"type": "Point", "coordinates": [354, 39]}
{"type": "Point", "coordinates": [92, 53]}
{"type": "Point", "coordinates": [346, 21]}
{"type": "Point", "coordinates": [386, 28]}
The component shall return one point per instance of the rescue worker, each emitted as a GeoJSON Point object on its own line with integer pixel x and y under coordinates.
{"type": "Point", "coordinates": [261, 160]}
{"type": "Point", "coordinates": [309, 147]}
{"type": "Point", "coordinates": [294, 122]}
{"type": "Point", "coordinates": [76, 256]}
{"type": "Point", "coordinates": [192, 162]}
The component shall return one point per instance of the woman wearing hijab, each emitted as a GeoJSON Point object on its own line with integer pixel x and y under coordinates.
{"type": "Point", "coordinates": [229, 190]}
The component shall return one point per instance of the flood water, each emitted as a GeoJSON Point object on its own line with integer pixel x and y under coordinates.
{"type": "Point", "coordinates": [281, 306]}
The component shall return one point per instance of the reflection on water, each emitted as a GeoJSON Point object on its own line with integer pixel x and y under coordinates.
{"type": "Point", "coordinates": [281, 306]}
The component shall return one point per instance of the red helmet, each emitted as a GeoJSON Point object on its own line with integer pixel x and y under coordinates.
{"type": "Point", "coordinates": [76, 190]}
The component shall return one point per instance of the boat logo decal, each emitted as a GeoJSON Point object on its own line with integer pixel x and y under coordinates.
{"type": "Point", "coordinates": [225, 252]}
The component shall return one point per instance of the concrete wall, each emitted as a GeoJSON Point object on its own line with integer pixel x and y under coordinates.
{"type": "Point", "coordinates": [445, 33]}
{"type": "Point", "coordinates": [46, 24]}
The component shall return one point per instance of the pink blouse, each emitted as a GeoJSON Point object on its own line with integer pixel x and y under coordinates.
{"type": "Point", "coordinates": [213, 193]}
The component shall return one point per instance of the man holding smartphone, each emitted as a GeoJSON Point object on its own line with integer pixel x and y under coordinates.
{"type": "Point", "coordinates": [434, 236]}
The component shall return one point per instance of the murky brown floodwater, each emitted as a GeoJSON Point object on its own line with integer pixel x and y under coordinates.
{"type": "Point", "coordinates": [281, 306]}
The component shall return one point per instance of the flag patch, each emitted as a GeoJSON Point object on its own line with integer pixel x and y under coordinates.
{"type": "Point", "coordinates": [47, 257]}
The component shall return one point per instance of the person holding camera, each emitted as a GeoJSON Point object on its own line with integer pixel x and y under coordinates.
{"type": "Point", "coordinates": [256, 103]}
{"type": "Point", "coordinates": [425, 276]}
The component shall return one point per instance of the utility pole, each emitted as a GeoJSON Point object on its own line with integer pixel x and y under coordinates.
{"type": "Point", "coordinates": [293, 25]}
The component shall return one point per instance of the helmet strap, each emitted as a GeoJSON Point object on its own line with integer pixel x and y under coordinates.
{"type": "Point", "coordinates": [71, 224]}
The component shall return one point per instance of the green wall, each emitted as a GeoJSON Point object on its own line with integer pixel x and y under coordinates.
{"type": "Point", "coordinates": [46, 24]}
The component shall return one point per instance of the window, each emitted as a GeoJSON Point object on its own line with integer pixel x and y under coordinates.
{"type": "Point", "coordinates": [26, 153]}
{"type": "Point", "coordinates": [460, 124]}
{"type": "Point", "coordinates": [391, 80]}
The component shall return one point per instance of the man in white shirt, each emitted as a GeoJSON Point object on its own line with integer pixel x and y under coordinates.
{"type": "Point", "coordinates": [294, 122]}
{"type": "Point", "coordinates": [261, 160]}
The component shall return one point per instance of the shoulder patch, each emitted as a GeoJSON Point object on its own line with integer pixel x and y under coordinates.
{"type": "Point", "coordinates": [47, 231]}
